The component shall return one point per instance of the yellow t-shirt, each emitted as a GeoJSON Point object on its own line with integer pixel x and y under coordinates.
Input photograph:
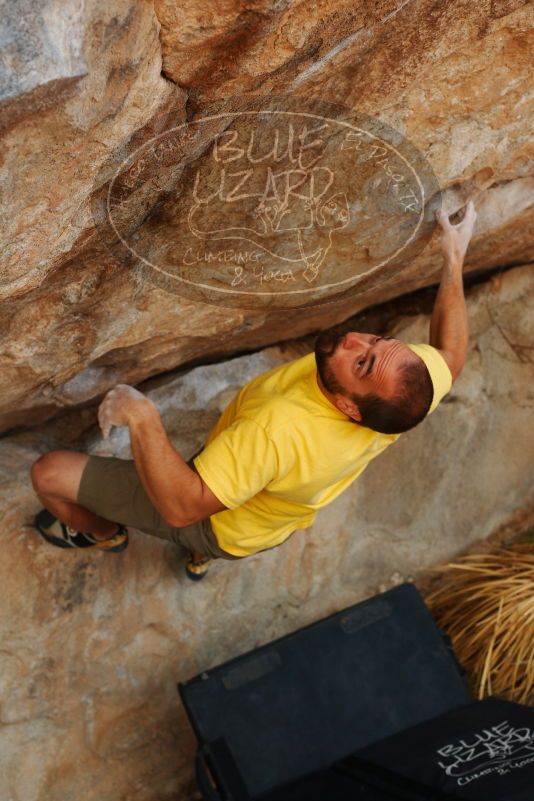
{"type": "Point", "coordinates": [281, 450]}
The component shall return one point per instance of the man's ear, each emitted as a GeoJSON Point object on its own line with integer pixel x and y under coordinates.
{"type": "Point", "coordinates": [349, 408]}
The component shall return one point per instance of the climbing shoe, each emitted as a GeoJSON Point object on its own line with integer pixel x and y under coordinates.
{"type": "Point", "coordinates": [196, 570]}
{"type": "Point", "coordinates": [62, 536]}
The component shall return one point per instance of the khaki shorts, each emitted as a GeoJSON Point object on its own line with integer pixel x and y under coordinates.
{"type": "Point", "coordinates": [111, 488]}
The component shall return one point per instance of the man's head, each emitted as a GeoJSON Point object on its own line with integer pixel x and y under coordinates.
{"type": "Point", "coordinates": [376, 381]}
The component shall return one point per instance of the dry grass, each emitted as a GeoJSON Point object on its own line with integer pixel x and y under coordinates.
{"type": "Point", "coordinates": [485, 602]}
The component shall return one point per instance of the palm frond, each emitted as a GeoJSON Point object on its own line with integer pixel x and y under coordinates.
{"type": "Point", "coordinates": [485, 602]}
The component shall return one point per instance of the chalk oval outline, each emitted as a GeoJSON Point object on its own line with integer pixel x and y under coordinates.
{"type": "Point", "coordinates": [222, 290]}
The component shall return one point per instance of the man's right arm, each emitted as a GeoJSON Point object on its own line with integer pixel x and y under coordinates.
{"type": "Point", "coordinates": [448, 325]}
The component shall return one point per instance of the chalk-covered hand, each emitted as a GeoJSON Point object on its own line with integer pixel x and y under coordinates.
{"type": "Point", "coordinates": [456, 238]}
{"type": "Point", "coordinates": [120, 406]}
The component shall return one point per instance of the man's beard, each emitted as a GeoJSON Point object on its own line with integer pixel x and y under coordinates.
{"type": "Point", "coordinates": [325, 347]}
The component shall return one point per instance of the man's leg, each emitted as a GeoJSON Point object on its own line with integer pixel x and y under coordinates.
{"type": "Point", "coordinates": [196, 556]}
{"type": "Point", "coordinates": [111, 491]}
{"type": "Point", "coordinates": [56, 479]}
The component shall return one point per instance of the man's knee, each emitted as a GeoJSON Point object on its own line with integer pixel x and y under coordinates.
{"type": "Point", "coordinates": [58, 473]}
{"type": "Point", "coordinates": [45, 473]}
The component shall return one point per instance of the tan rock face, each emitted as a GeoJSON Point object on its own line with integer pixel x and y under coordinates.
{"type": "Point", "coordinates": [90, 96]}
{"type": "Point", "coordinates": [93, 645]}
{"type": "Point", "coordinates": [76, 318]}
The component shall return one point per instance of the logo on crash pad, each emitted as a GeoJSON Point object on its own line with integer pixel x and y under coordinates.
{"type": "Point", "coordinates": [285, 204]}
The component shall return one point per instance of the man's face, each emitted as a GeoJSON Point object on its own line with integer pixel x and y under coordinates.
{"type": "Point", "coordinates": [361, 364]}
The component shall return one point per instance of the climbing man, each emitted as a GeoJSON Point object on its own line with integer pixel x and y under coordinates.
{"type": "Point", "coordinates": [289, 442]}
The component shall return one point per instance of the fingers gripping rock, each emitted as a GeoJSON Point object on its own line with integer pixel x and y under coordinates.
{"type": "Point", "coordinates": [456, 238]}
{"type": "Point", "coordinates": [117, 407]}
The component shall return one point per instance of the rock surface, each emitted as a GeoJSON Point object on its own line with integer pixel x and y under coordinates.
{"type": "Point", "coordinates": [92, 645]}
{"type": "Point", "coordinates": [90, 93]}
{"type": "Point", "coordinates": [41, 56]}
{"type": "Point", "coordinates": [88, 88]}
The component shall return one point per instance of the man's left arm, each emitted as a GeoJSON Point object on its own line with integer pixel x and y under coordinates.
{"type": "Point", "coordinates": [178, 493]}
{"type": "Point", "coordinates": [448, 324]}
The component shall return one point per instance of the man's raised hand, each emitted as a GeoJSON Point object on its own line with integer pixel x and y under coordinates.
{"type": "Point", "coordinates": [456, 238]}
{"type": "Point", "coordinates": [119, 407]}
